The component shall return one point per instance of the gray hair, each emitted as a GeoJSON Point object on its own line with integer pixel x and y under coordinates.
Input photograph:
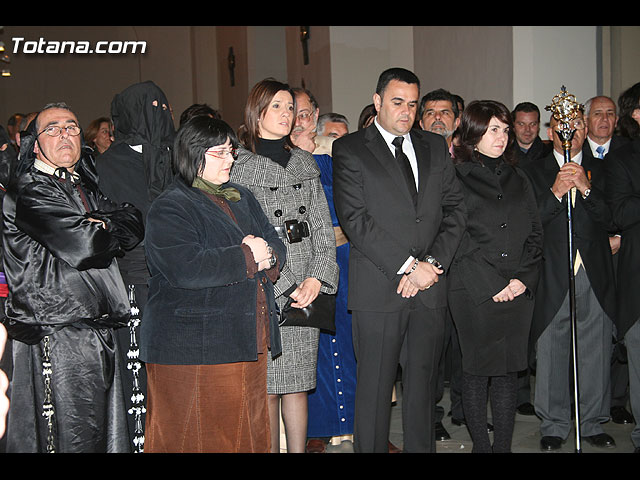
{"type": "Point", "coordinates": [330, 117]}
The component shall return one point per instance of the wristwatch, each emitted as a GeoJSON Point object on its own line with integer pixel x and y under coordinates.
{"type": "Point", "coordinates": [586, 193]}
{"type": "Point", "coordinates": [434, 262]}
{"type": "Point", "coordinates": [272, 261]}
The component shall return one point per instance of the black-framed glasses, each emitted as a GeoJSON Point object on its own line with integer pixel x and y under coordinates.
{"type": "Point", "coordinates": [56, 130]}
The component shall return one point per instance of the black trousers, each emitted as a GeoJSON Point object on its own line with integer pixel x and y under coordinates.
{"type": "Point", "coordinates": [412, 338]}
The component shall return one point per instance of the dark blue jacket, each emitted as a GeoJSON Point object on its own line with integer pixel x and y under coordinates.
{"type": "Point", "coordinates": [201, 308]}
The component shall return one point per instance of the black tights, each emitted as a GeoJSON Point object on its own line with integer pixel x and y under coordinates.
{"type": "Point", "coordinates": [503, 393]}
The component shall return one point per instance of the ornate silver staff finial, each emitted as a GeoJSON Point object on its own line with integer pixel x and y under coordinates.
{"type": "Point", "coordinates": [565, 108]}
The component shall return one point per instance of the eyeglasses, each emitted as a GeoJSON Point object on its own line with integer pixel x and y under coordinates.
{"type": "Point", "coordinates": [56, 131]}
{"type": "Point", "coordinates": [222, 154]}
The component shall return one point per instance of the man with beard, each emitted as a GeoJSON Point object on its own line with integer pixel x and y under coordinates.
{"type": "Point", "coordinates": [66, 295]}
{"type": "Point", "coordinates": [439, 114]}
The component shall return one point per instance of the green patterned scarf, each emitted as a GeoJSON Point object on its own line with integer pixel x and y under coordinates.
{"type": "Point", "coordinates": [229, 193]}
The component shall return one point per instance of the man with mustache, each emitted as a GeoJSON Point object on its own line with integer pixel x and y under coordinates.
{"type": "Point", "coordinates": [306, 121]}
{"type": "Point", "coordinates": [66, 296]}
{"type": "Point", "coordinates": [439, 114]}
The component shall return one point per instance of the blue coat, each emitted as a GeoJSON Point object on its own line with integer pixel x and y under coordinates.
{"type": "Point", "coordinates": [202, 305]}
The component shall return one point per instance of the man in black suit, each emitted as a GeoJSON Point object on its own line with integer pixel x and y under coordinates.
{"type": "Point", "coordinates": [554, 182]}
{"type": "Point", "coordinates": [623, 194]}
{"type": "Point", "coordinates": [402, 209]}
{"type": "Point", "coordinates": [601, 117]}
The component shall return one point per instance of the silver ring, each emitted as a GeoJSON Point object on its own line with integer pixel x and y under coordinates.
{"type": "Point", "coordinates": [428, 287]}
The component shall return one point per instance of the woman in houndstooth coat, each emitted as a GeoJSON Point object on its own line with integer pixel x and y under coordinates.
{"type": "Point", "coordinates": [286, 182]}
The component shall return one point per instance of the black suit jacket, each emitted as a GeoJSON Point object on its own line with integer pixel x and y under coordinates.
{"type": "Point", "coordinates": [617, 141]}
{"type": "Point", "coordinates": [591, 226]}
{"type": "Point", "coordinates": [623, 195]}
{"type": "Point", "coordinates": [377, 213]}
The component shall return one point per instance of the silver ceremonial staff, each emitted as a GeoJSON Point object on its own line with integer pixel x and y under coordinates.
{"type": "Point", "coordinates": [565, 110]}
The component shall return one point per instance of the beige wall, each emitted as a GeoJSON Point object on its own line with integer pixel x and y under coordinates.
{"type": "Point", "coordinates": [505, 63]}
{"type": "Point", "coordinates": [474, 62]}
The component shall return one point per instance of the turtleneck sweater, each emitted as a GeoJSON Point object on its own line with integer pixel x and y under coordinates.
{"type": "Point", "coordinates": [489, 162]}
{"type": "Point", "coordinates": [274, 149]}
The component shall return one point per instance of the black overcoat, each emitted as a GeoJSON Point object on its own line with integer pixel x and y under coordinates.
{"type": "Point", "coordinates": [591, 226]}
{"type": "Point", "coordinates": [502, 241]}
{"type": "Point", "coordinates": [623, 195]}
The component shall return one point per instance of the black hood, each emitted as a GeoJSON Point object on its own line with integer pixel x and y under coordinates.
{"type": "Point", "coordinates": [141, 116]}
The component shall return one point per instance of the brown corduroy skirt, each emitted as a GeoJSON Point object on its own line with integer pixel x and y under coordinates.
{"type": "Point", "coordinates": [208, 408]}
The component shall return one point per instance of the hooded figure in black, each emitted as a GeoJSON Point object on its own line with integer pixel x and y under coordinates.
{"type": "Point", "coordinates": [136, 168]}
{"type": "Point", "coordinates": [66, 296]}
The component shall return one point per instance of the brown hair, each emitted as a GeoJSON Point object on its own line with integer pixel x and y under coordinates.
{"type": "Point", "coordinates": [258, 101]}
{"type": "Point", "coordinates": [91, 132]}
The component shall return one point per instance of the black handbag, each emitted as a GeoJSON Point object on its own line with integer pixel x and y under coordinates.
{"type": "Point", "coordinates": [320, 314]}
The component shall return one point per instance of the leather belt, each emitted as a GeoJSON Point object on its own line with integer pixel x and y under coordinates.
{"type": "Point", "coordinates": [293, 231]}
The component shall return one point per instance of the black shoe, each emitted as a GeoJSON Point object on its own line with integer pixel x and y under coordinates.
{"type": "Point", "coordinates": [441, 432]}
{"type": "Point", "coordinates": [461, 421]}
{"type": "Point", "coordinates": [526, 409]}
{"type": "Point", "coordinates": [621, 415]}
{"type": "Point", "coordinates": [601, 440]}
{"type": "Point", "coordinates": [549, 443]}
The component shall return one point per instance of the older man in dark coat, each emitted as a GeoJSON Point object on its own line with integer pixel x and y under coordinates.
{"type": "Point", "coordinates": [583, 180]}
{"type": "Point", "coordinates": [66, 295]}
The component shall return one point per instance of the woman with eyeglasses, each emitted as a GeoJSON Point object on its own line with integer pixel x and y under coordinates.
{"type": "Point", "coordinates": [209, 327]}
{"type": "Point", "coordinates": [286, 182]}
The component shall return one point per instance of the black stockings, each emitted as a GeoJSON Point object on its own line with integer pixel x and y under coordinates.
{"type": "Point", "coordinates": [503, 392]}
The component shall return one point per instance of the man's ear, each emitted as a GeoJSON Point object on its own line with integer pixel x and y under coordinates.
{"type": "Point", "coordinates": [377, 101]}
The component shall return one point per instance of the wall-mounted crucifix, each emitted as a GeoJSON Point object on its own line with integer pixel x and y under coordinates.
{"type": "Point", "coordinates": [231, 63]}
{"type": "Point", "coordinates": [304, 38]}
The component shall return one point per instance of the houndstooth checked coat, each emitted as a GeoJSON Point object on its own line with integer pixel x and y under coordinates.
{"type": "Point", "coordinates": [294, 193]}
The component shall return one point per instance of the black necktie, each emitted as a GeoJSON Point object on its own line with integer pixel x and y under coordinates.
{"type": "Point", "coordinates": [405, 166]}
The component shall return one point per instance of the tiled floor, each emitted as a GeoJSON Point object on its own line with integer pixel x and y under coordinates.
{"type": "Point", "coordinates": [526, 438]}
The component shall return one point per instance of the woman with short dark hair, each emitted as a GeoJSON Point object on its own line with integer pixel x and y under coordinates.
{"type": "Point", "coordinates": [209, 326]}
{"type": "Point", "coordinates": [495, 272]}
